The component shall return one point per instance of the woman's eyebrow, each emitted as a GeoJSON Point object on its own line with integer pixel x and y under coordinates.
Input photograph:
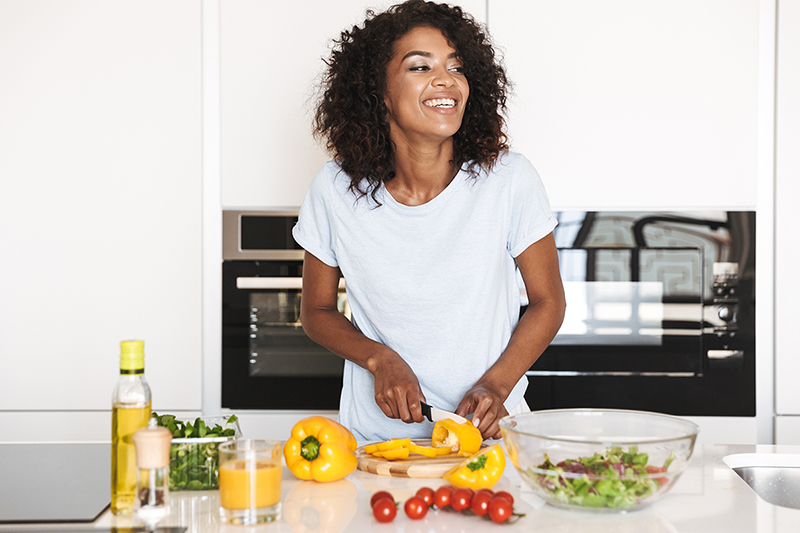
{"type": "Point", "coordinates": [424, 54]}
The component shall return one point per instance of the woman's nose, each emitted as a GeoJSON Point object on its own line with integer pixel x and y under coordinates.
{"type": "Point", "coordinates": [443, 78]}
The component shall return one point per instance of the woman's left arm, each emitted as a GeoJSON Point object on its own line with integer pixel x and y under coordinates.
{"type": "Point", "coordinates": [538, 265]}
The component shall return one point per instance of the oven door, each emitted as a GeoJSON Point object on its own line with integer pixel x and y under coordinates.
{"type": "Point", "coordinates": [268, 362]}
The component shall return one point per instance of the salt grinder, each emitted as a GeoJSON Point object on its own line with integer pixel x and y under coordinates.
{"type": "Point", "coordinates": [152, 460]}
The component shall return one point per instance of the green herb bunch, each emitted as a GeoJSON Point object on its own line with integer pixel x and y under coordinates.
{"type": "Point", "coordinates": [194, 465]}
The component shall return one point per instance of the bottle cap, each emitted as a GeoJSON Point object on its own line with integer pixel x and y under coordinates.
{"type": "Point", "coordinates": [131, 355]}
{"type": "Point", "coordinates": [152, 446]}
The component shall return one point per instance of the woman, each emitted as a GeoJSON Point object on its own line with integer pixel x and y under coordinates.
{"type": "Point", "coordinates": [427, 215]}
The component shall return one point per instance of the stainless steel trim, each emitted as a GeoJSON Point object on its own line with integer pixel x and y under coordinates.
{"type": "Point", "coordinates": [571, 373]}
{"type": "Point", "coordinates": [231, 244]}
{"type": "Point", "coordinates": [725, 354]}
{"type": "Point", "coordinates": [274, 283]}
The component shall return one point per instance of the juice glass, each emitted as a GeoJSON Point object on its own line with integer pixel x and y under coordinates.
{"type": "Point", "coordinates": [250, 481]}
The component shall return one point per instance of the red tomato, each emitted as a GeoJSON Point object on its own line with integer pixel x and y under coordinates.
{"type": "Point", "coordinates": [384, 510]}
{"type": "Point", "coordinates": [461, 499]}
{"type": "Point", "coordinates": [379, 496]}
{"type": "Point", "coordinates": [500, 510]}
{"type": "Point", "coordinates": [441, 498]}
{"type": "Point", "coordinates": [416, 508]}
{"type": "Point", "coordinates": [505, 495]}
{"type": "Point", "coordinates": [480, 503]}
{"type": "Point", "coordinates": [426, 493]}
{"type": "Point", "coordinates": [655, 469]}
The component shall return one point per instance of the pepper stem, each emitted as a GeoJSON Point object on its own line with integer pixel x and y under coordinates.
{"type": "Point", "coordinates": [309, 448]}
{"type": "Point", "coordinates": [478, 463]}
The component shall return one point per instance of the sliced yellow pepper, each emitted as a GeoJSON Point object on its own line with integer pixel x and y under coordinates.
{"type": "Point", "coordinates": [390, 444]}
{"type": "Point", "coordinates": [371, 448]}
{"type": "Point", "coordinates": [481, 471]}
{"type": "Point", "coordinates": [397, 453]}
{"type": "Point", "coordinates": [463, 439]}
{"type": "Point", "coordinates": [394, 443]}
{"type": "Point", "coordinates": [427, 451]}
{"type": "Point", "coordinates": [320, 449]}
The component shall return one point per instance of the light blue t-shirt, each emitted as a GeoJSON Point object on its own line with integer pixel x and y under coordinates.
{"type": "Point", "coordinates": [437, 283]}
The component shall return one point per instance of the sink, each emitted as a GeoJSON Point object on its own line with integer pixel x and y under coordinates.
{"type": "Point", "coordinates": [775, 477]}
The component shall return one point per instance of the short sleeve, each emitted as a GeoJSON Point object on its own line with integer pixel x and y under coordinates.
{"type": "Point", "coordinates": [314, 230]}
{"type": "Point", "coordinates": [531, 217]}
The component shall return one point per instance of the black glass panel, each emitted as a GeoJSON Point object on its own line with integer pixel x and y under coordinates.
{"type": "Point", "coordinates": [267, 233]}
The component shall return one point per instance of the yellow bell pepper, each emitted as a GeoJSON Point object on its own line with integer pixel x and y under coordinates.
{"type": "Point", "coordinates": [481, 471]}
{"type": "Point", "coordinates": [463, 439]}
{"type": "Point", "coordinates": [320, 449]}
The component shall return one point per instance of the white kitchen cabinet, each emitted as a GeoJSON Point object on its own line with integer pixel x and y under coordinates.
{"type": "Point", "coordinates": [630, 104]}
{"type": "Point", "coordinates": [100, 202]}
{"type": "Point", "coordinates": [270, 61]}
{"type": "Point", "coordinates": [787, 196]}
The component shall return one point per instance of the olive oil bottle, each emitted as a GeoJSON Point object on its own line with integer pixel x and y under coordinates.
{"type": "Point", "coordinates": [130, 410]}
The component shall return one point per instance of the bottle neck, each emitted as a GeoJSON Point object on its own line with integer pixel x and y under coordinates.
{"type": "Point", "coordinates": [131, 372]}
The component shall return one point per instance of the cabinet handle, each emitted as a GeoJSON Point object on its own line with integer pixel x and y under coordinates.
{"type": "Point", "coordinates": [275, 283]}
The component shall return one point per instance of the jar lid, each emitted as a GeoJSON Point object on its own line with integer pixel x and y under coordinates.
{"type": "Point", "coordinates": [152, 446]}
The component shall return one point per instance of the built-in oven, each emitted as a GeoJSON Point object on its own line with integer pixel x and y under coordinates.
{"type": "Point", "coordinates": [268, 362]}
{"type": "Point", "coordinates": [660, 316]}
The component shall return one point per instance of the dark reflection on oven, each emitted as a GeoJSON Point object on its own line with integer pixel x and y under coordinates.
{"type": "Point", "coordinates": [278, 346]}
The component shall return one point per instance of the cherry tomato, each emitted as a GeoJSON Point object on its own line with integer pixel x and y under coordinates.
{"type": "Point", "coordinates": [426, 493]}
{"type": "Point", "coordinates": [480, 503]}
{"type": "Point", "coordinates": [441, 498]}
{"type": "Point", "coordinates": [384, 510]}
{"type": "Point", "coordinates": [461, 499]}
{"type": "Point", "coordinates": [416, 508]}
{"type": "Point", "coordinates": [500, 510]}
{"type": "Point", "coordinates": [379, 496]}
{"type": "Point", "coordinates": [504, 494]}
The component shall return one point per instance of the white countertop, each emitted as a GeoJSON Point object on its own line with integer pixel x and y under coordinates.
{"type": "Point", "coordinates": [708, 498]}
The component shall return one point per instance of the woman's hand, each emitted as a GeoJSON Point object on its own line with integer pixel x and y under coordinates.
{"type": "Point", "coordinates": [485, 403]}
{"type": "Point", "coordinates": [397, 390]}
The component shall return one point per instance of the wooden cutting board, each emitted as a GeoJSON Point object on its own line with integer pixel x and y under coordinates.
{"type": "Point", "coordinates": [416, 466]}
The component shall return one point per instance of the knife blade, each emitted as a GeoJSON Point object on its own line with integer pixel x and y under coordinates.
{"type": "Point", "coordinates": [434, 415]}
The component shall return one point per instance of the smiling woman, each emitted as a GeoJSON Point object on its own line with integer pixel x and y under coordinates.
{"type": "Point", "coordinates": [426, 89]}
{"type": "Point", "coordinates": [428, 217]}
{"type": "Point", "coordinates": [352, 116]}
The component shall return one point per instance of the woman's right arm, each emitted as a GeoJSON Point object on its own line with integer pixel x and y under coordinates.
{"type": "Point", "coordinates": [397, 390]}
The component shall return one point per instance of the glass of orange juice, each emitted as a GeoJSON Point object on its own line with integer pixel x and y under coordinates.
{"type": "Point", "coordinates": [250, 481]}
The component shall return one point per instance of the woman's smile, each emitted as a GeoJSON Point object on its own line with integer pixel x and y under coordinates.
{"type": "Point", "coordinates": [426, 90]}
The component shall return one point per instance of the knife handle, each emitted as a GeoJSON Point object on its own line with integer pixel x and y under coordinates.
{"type": "Point", "coordinates": [426, 411]}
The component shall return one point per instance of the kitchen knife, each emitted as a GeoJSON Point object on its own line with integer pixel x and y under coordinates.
{"type": "Point", "coordinates": [434, 415]}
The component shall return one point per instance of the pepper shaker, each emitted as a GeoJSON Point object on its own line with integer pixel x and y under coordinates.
{"type": "Point", "coordinates": [152, 461]}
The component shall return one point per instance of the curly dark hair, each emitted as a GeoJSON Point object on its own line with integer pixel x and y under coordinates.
{"type": "Point", "coordinates": [352, 117]}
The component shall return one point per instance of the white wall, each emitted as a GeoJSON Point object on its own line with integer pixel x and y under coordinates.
{"type": "Point", "coordinates": [787, 245]}
{"type": "Point", "coordinates": [623, 103]}
{"type": "Point", "coordinates": [99, 202]}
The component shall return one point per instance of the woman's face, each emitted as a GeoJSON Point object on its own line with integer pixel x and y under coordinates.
{"type": "Point", "coordinates": [426, 91]}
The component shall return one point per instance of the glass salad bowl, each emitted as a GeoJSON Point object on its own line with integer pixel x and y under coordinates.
{"type": "Point", "coordinates": [601, 460]}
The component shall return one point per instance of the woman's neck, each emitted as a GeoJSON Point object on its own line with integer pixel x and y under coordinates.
{"type": "Point", "coordinates": [421, 173]}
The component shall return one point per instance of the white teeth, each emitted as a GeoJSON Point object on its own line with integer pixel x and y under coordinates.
{"type": "Point", "coordinates": [441, 102]}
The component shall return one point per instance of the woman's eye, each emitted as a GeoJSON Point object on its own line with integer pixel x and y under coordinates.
{"type": "Point", "coordinates": [460, 70]}
{"type": "Point", "coordinates": [419, 68]}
